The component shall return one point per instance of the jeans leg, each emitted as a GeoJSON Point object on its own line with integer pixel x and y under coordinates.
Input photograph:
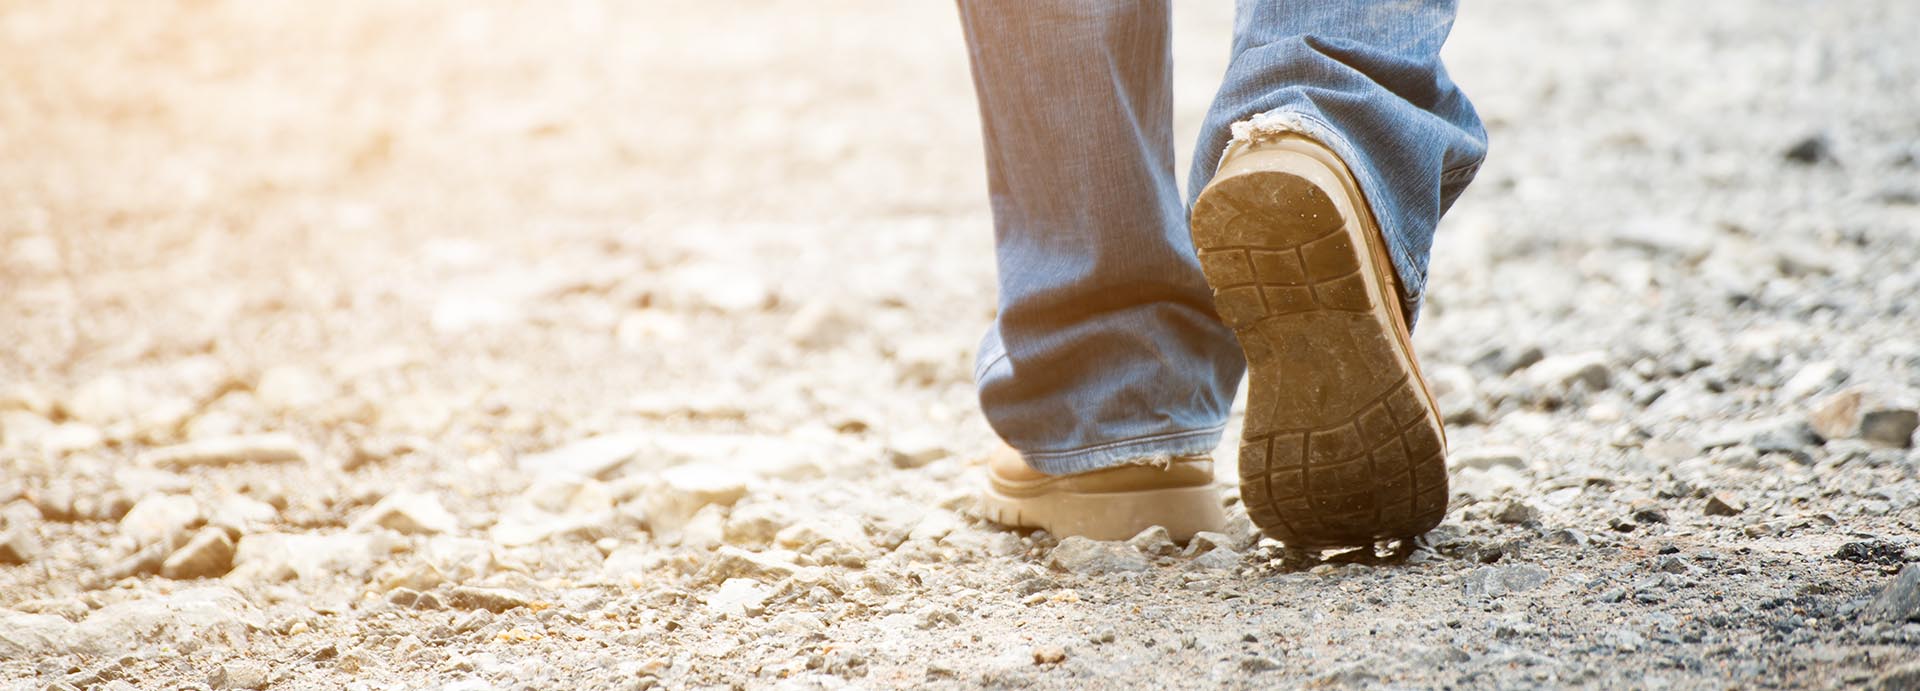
{"type": "Point", "coordinates": [1365, 79]}
{"type": "Point", "coordinates": [1106, 349]}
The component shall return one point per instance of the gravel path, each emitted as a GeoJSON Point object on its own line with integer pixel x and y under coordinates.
{"type": "Point", "coordinates": [389, 344]}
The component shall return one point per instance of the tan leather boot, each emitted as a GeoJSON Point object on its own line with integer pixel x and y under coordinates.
{"type": "Point", "coordinates": [1108, 504]}
{"type": "Point", "coordinates": [1343, 444]}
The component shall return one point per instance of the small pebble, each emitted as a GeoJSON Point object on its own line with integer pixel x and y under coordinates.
{"type": "Point", "coordinates": [240, 674]}
{"type": "Point", "coordinates": [1049, 655]}
{"type": "Point", "coordinates": [495, 600]}
{"type": "Point", "coordinates": [1809, 150]}
{"type": "Point", "coordinates": [1650, 514]}
{"type": "Point", "coordinates": [207, 555]}
{"type": "Point", "coordinates": [1721, 504]}
{"type": "Point", "coordinates": [1517, 513]}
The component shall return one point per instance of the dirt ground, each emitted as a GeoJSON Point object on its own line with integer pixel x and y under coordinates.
{"type": "Point", "coordinates": [387, 344]}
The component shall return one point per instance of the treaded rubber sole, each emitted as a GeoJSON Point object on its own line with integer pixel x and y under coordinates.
{"type": "Point", "coordinates": [1342, 446]}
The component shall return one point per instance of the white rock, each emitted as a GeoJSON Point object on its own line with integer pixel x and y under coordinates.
{"type": "Point", "coordinates": [1813, 378]}
{"type": "Point", "coordinates": [595, 457]}
{"type": "Point", "coordinates": [463, 559]}
{"type": "Point", "coordinates": [720, 287]}
{"type": "Point", "coordinates": [495, 600]}
{"type": "Point", "coordinates": [36, 253]}
{"type": "Point", "coordinates": [647, 330]}
{"type": "Point", "coordinates": [185, 621]}
{"type": "Point", "coordinates": [928, 361]}
{"type": "Point", "coordinates": [633, 561]}
{"type": "Point", "coordinates": [105, 399]}
{"type": "Point", "coordinates": [1495, 581]}
{"type": "Point", "coordinates": [160, 518]}
{"type": "Point", "coordinates": [27, 636]}
{"type": "Point", "coordinates": [291, 387]}
{"type": "Point", "coordinates": [569, 494]}
{"type": "Point", "coordinates": [915, 448]}
{"type": "Point", "coordinates": [1683, 240]}
{"type": "Point", "coordinates": [309, 556]}
{"type": "Point", "coordinates": [714, 403]}
{"type": "Point", "coordinates": [1215, 559]}
{"type": "Point", "coordinates": [1489, 483]}
{"type": "Point", "coordinates": [1778, 433]}
{"type": "Point", "coordinates": [27, 397]}
{"type": "Point", "coordinates": [21, 429]}
{"type": "Point", "coordinates": [19, 543]}
{"type": "Point", "coordinates": [992, 543]}
{"type": "Point", "coordinates": [933, 616]}
{"type": "Point", "coordinates": [414, 576]}
{"type": "Point", "coordinates": [796, 456]}
{"type": "Point", "coordinates": [413, 513]}
{"type": "Point", "coordinates": [1563, 497]}
{"type": "Point", "coordinates": [259, 448]}
{"type": "Point", "coordinates": [757, 525]}
{"type": "Point", "coordinates": [732, 562]}
{"type": "Point", "coordinates": [681, 491]}
{"type": "Point", "coordinates": [606, 545]}
{"type": "Point", "coordinates": [1154, 541]}
{"type": "Point", "coordinates": [212, 424]}
{"type": "Point", "coordinates": [1456, 392]}
{"type": "Point", "coordinates": [534, 527]}
{"type": "Point", "coordinates": [419, 413]}
{"type": "Point", "coordinates": [165, 420]}
{"type": "Point", "coordinates": [1206, 541]}
{"type": "Point", "coordinates": [739, 597]}
{"type": "Point", "coordinates": [936, 525]}
{"type": "Point", "coordinates": [1241, 532]}
{"type": "Point", "coordinates": [240, 674]}
{"type": "Point", "coordinates": [240, 510]}
{"type": "Point", "coordinates": [68, 437]}
{"type": "Point", "coordinates": [1094, 557]}
{"type": "Point", "coordinates": [459, 312]}
{"type": "Point", "coordinates": [1559, 373]}
{"type": "Point", "coordinates": [208, 554]}
{"type": "Point", "coordinates": [1486, 457]}
{"type": "Point", "coordinates": [820, 324]}
{"type": "Point", "coordinates": [833, 539]}
{"type": "Point", "coordinates": [799, 623]}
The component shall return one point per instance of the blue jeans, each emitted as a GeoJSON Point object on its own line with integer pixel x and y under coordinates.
{"type": "Point", "coordinates": [1106, 349]}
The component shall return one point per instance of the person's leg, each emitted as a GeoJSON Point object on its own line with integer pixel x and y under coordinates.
{"type": "Point", "coordinates": [1365, 79]}
{"type": "Point", "coordinates": [1106, 350]}
{"type": "Point", "coordinates": [1312, 229]}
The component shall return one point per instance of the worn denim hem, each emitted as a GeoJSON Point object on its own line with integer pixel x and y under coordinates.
{"type": "Point", "coordinates": [1148, 449]}
{"type": "Point", "coordinates": [1413, 281]}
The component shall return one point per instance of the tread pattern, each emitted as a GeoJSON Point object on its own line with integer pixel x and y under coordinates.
{"type": "Point", "coordinates": [1340, 447]}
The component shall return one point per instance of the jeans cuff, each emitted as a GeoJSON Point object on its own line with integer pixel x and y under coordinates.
{"type": "Point", "coordinates": [1136, 451]}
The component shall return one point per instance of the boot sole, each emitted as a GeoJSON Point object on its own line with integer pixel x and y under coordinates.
{"type": "Point", "coordinates": [1342, 443]}
{"type": "Point", "coordinates": [1117, 515]}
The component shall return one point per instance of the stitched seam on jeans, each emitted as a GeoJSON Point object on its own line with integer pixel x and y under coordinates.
{"type": "Point", "coordinates": [1042, 455]}
{"type": "Point", "coordinates": [1456, 173]}
{"type": "Point", "coordinates": [981, 371]}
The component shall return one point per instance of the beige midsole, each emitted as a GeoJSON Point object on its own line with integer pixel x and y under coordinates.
{"type": "Point", "coordinates": [1183, 511]}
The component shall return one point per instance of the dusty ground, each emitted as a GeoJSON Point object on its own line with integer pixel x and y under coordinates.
{"type": "Point", "coordinates": [608, 345]}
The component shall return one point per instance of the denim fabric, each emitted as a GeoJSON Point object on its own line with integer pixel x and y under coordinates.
{"type": "Point", "coordinates": [1106, 349]}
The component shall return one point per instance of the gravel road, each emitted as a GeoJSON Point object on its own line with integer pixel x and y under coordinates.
{"type": "Point", "coordinates": [383, 344]}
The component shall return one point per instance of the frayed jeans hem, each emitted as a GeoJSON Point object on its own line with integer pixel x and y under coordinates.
{"type": "Point", "coordinates": [1148, 450]}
